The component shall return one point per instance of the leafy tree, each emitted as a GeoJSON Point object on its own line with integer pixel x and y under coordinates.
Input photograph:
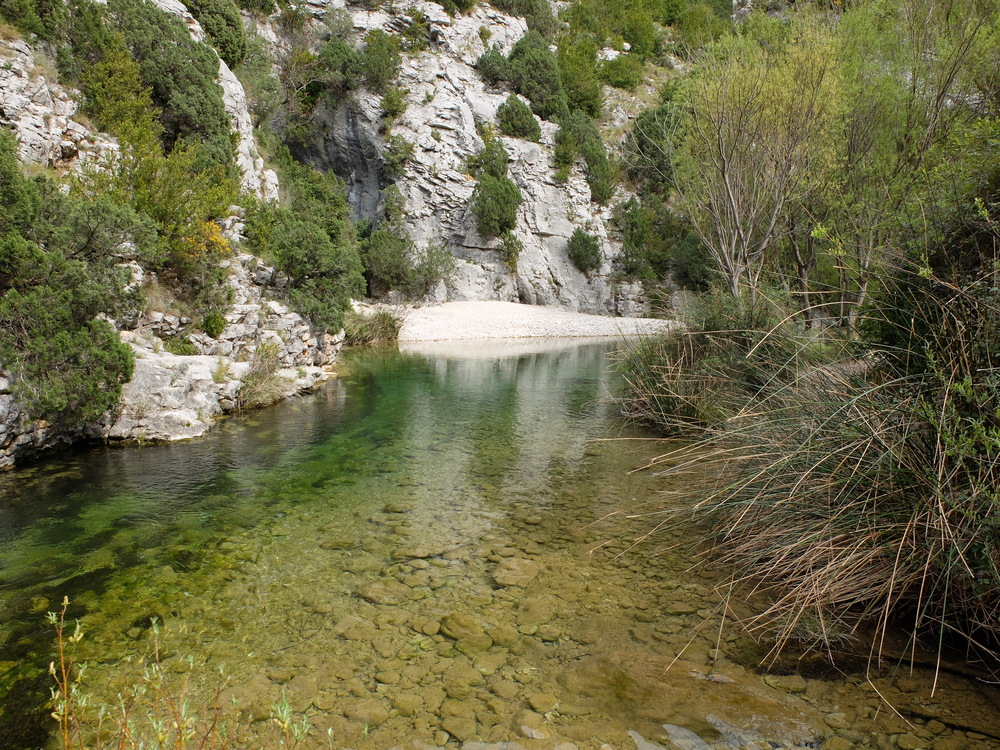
{"type": "Point", "coordinates": [515, 119]}
{"type": "Point", "coordinates": [222, 22]}
{"type": "Point", "coordinates": [578, 136]}
{"type": "Point", "coordinates": [492, 159]}
{"type": "Point", "coordinates": [622, 72]}
{"type": "Point", "coordinates": [584, 250]}
{"type": "Point", "coordinates": [180, 74]}
{"type": "Point", "coordinates": [494, 204]}
{"type": "Point", "coordinates": [59, 273]}
{"type": "Point", "coordinates": [538, 14]}
{"type": "Point", "coordinates": [343, 67]}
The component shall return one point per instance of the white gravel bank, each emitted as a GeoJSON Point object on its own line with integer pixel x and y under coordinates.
{"type": "Point", "coordinates": [508, 320]}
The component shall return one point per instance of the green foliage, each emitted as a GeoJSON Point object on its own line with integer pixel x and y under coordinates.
{"type": "Point", "coordinates": [213, 323]}
{"type": "Point", "coordinates": [58, 273]}
{"type": "Point", "coordinates": [182, 346]}
{"type": "Point", "coordinates": [417, 33]}
{"type": "Point", "coordinates": [371, 329]}
{"type": "Point", "coordinates": [584, 250]}
{"type": "Point", "coordinates": [456, 6]}
{"type": "Point", "coordinates": [697, 25]}
{"type": "Point", "coordinates": [258, 7]}
{"type": "Point", "coordinates": [494, 204]}
{"type": "Point", "coordinates": [394, 102]}
{"type": "Point", "coordinates": [578, 136]}
{"type": "Point", "coordinates": [261, 386]}
{"type": "Point", "coordinates": [381, 59]}
{"type": "Point", "coordinates": [343, 67]}
{"type": "Point", "coordinates": [657, 244]}
{"type": "Point", "coordinates": [510, 248]}
{"type": "Point", "coordinates": [623, 72]}
{"type": "Point", "coordinates": [261, 85]}
{"type": "Point", "coordinates": [577, 59]}
{"type": "Point", "coordinates": [493, 67]}
{"type": "Point", "coordinates": [311, 240]}
{"type": "Point", "coordinates": [46, 18]}
{"type": "Point", "coordinates": [397, 154]}
{"type": "Point", "coordinates": [538, 14]}
{"type": "Point", "coordinates": [492, 159]}
{"type": "Point", "coordinates": [515, 119]}
{"type": "Point", "coordinates": [180, 74]}
{"type": "Point", "coordinates": [534, 72]}
{"type": "Point", "coordinates": [222, 22]}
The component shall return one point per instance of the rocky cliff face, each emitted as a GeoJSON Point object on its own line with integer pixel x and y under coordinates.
{"type": "Point", "coordinates": [445, 99]}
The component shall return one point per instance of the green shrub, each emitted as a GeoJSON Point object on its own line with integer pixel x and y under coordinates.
{"type": "Point", "coordinates": [343, 67]}
{"type": "Point", "coordinates": [258, 7]}
{"type": "Point", "coordinates": [515, 119]}
{"type": "Point", "coordinates": [494, 204]}
{"type": "Point", "coordinates": [492, 159]}
{"type": "Point", "coordinates": [379, 327]}
{"type": "Point", "coordinates": [182, 346]}
{"type": "Point", "coordinates": [381, 59]}
{"type": "Point", "coordinates": [511, 248]}
{"type": "Point", "coordinates": [397, 154]}
{"type": "Point", "coordinates": [394, 102]}
{"type": "Point", "coordinates": [180, 74]}
{"type": "Point", "coordinates": [58, 272]}
{"type": "Point", "coordinates": [492, 66]}
{"type": "Point", "coordinates": [534, 72]}
{"type": "Point", "coordinates": [261, 385]}
{"type": "Point", "coordinates": [584, 250]}
{"type": "Point", "coordinates": [455, 6]}
{"type": "Point", "coordinates": [578, 135]}
{"type": "Point", "coordinates": [417, 33]}
{"type": "Point", "coordinates": [538, 14]}
{"type": "Point", "coordinates": [577, 59]}
{"type": "Point", "coordinates": [222, 22]}
{"type": "Point", "coordinates": [213, 323]}
{"type": "Point", "coordinates": [623, 72]}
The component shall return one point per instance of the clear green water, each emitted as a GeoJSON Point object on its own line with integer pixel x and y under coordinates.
{"type": "Point", "coordinates": [431, 549]}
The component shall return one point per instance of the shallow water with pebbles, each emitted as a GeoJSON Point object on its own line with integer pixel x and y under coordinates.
{"type": "Point", "coordinates": [435, 550]}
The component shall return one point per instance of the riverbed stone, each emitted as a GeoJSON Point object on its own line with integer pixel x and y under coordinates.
{"type": "Point", "coordinates": [542, 702]}
{"type": "Point", "coordinates": [461, 681]}
{"type": "Point", "coordinates": [369, 711]}
{"type": "Point", "coordinates": [838, 743]}
{"type": "Point", "coordinates": [386, 592]}
{"type": "Point", "coordinates": [459, 727]}
{"type": "Point", "coordinates": [407, 704]}
{"type": "Point", "coordinates": [504, 635]}
{"type": "Point", "coordinates": [792, 683]}
{"type": "Point", "coordinates": [461, 625]}
{"type": "Point", "coordinates": [516, 571]}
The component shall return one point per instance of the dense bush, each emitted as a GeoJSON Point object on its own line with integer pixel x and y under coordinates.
{"type": "Point", "coordinates": [222, 22]}
{"type": "Point", "coordinates": [381, 59]}
{"type": "Point", "coordinates": [180, 74]}
{"type": "Point", "coordinates": [343, 67]}
{"type": "Point", "coordinates": [455, 6]}
{"type": "Point", "coordinates": [492, 159]}
{"type": "Point", "coordinates": [534, 72]}
{"type": "Point", "coordinates": [492, 66]}
{"type": "Point", "coordinates": [515, 119]}
{"type": "Point", "coordinates": [494, 204]}
{"type": "Point", "coordinates": [577, 59]}
{"type": "Point", "coordinates": [58, 274]}
{"type": "Point", "coordinates": [657, 244]}
{"type": "Point", "coordinates": [259, 7]}
{"type": "Point", "coordinates": [584, 250]}
{"type": "Point", "coordinates": [622, 72]}
{"type": "Point", "coordinates": [311, 238]}
{"type": "Point", "coordinates": [578, 136]}
{"type": "Point", "coordinates": [538, 14]}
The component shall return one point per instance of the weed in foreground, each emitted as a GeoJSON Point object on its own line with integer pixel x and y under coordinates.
{"type": "Point", "coordinates": [152, 714]}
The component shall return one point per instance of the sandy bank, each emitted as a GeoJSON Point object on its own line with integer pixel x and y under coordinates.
{"type": "Point", "coordinates": [508, 320]}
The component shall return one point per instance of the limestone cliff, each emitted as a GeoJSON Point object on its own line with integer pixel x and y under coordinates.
{"type": "Point", "coordinates": [445, 100]}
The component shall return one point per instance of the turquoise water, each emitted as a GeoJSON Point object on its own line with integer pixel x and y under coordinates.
{"type": "Point", "coordinates": [440, 547]}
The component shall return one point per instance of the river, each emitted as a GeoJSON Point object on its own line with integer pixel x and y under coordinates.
{"type": "Point", "coordinates": [437, 548]}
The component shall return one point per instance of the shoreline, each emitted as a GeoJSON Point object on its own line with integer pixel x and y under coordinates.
{"type": "Point", "coordinates": [486, 320]}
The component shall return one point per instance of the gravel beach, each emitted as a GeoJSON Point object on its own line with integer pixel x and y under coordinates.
{"type": "Point", "coordinates": [509, 320]}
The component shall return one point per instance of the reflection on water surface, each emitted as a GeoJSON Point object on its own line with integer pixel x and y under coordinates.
{"type": "Point", "coordinates": [434, 549]}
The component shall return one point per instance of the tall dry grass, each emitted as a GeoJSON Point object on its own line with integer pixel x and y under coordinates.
{"type": "Point", "coordinates": [861, 495]}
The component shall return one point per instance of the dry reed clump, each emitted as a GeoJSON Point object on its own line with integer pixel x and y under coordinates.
{"type": "Point", "coordinates": [862, 494]}
{"type": "Point", "coordinates": [262, 385]}
{"type": "Point", "coordinates": [379, 327]}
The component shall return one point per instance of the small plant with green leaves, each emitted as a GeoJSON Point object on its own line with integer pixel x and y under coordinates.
{"type": "Point", "coordinates": [515, 118]}
{"type": "Point", "coordinates": [379, 327]}
{"type": "Point", "coordinates": [221, 372]}
{"type": "Point", "coordinates": [510, 249]}
{"type": "Point", "coordinates": [584, 250]}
